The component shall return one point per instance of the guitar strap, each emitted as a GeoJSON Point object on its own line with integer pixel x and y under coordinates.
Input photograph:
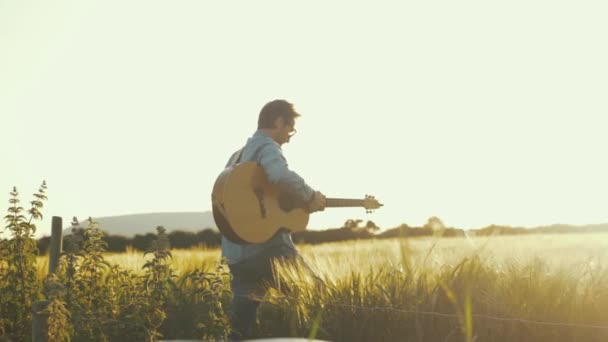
{"type": "Point", "coordinates": [238, 159]}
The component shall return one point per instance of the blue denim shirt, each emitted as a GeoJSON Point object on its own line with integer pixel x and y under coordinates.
{"type": "Point", "coordinates": [262, 148]}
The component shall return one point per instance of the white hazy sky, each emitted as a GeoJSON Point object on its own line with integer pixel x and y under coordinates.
{"type": "Point", "coordinates": [478, 112]}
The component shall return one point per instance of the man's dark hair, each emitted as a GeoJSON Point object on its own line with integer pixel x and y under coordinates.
{"type": "Point", "coordinates": [273, 109]}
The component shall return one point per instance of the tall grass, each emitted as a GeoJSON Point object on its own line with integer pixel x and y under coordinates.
{"type": "Point", "coordinates": [425, 289]}
{"type": "Point", "coordinates": [371, 294]}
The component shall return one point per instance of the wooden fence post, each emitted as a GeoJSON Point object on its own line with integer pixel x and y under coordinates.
{"type": "Point", "coordinates": [39, 320]}
{"type": "Point", "coordinates": [56, 243]}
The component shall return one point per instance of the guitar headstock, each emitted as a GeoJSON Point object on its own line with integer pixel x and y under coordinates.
{"type": "Point", "coordinates": [370, 203]}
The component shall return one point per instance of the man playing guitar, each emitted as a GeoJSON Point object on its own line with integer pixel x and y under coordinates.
{"type": "Point", "coordinates": [251, 263]}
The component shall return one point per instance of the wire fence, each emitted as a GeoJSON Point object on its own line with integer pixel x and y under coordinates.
{"type": "Point", "coordinates": [414, 312]}
{"type": "Point", "coordinates": [449, 315]}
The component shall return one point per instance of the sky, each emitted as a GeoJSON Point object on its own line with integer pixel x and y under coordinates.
{"type": "Point", "coordinates": [478, 112]}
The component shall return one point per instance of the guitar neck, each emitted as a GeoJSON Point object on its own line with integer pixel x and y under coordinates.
{"type": "Point", "coordinates": [343, 202]}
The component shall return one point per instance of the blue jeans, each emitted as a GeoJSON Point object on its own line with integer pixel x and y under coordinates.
{"type": "Point", "coordinates": [250, 277]}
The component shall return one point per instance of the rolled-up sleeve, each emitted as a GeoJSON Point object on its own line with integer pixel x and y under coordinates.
{"type": "Point", "coordinates": [274, 163]}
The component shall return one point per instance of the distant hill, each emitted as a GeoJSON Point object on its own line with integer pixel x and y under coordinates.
{"type": "Point", "coordinates": [130, 225]}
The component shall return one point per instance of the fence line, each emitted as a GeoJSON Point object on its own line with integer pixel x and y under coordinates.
{"type": "Point", "coordinates": [137, 325]}
{"type": "Point", "coordinates": [440, 314]}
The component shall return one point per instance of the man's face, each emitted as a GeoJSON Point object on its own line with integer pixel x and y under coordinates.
{"type": "Point", "coordinates": [285, 129]}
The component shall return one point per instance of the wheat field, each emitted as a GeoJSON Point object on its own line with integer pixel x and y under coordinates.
{"type": "Point", "coordinates": [338, 259]}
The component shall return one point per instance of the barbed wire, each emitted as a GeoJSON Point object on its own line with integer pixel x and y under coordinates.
{"type": "Point", "coordinates": [521, 320]}
{"type": "Point", "coordinates": [440, 314]}
{"type": "Point", "coordinates": [137, 325]}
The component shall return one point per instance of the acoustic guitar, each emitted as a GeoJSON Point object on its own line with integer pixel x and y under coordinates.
{"type": "Point", "coordinates": [249, 209]}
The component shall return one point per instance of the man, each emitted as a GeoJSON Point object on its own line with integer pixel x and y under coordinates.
{"type": "Point", "coordinates": [251, 264]}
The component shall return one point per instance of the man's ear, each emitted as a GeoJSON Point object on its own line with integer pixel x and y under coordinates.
{"type": "Point", "coordinates": [278, 121]}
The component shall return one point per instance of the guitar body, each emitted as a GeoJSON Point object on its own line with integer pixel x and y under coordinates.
{"type": "Point", "coordinates": [249, 209]}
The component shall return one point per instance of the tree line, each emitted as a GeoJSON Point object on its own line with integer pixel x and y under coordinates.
{"type": "Point", "coordinates": [352, 229]}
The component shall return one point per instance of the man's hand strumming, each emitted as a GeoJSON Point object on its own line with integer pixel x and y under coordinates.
{"type": "Point", "coordinates": [317, 203]}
